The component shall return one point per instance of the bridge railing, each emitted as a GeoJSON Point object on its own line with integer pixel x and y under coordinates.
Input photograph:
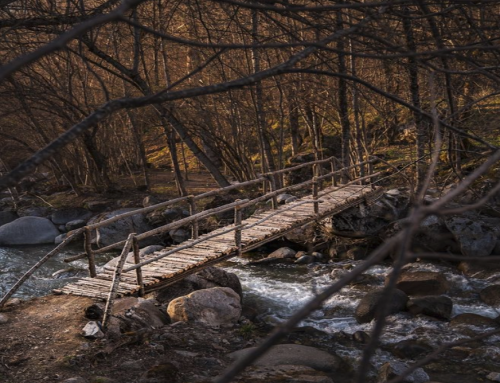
{"type": "Point", "coordinates": [267, 180]}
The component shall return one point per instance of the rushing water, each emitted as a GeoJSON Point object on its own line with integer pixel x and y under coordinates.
{"type": "Point", "coordinates": [278, 291]}
{"type": "Point", "coordinates": [15, 261]}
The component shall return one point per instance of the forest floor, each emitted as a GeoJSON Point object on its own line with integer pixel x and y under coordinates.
{"type": "Point", "coordinates": [42, 342]}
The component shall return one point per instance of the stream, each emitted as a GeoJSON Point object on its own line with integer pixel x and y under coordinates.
{"type": "Point", "coordinates": [280, 290]}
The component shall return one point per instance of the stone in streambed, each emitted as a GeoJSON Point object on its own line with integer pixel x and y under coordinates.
{"type": "Point", "coordinates": [63, 216]}
{"type": "Point", "coordinates": [475, 237]}
{"type": "Point", "coordinates": [421, 283]}
{"type": "Point", "coordinates": [293, 354]}
{"type": "Point", "coordinates": [28, 231]}
{"type": "Point", "coordinates": [439, 307]}
{"type": "Point", "coordinates": [491, 295]}
{"type": "Point", "coordinates": [368, 306]}
{"type": "Point", "coordinates": [473, 320]}
{"type": "Point", "coordinates": [282, 255]}
{"type": "Point", "coordinates": [393, 369]}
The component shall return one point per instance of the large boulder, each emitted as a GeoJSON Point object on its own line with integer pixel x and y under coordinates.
{"type": "Point", "coordinates": [119, 230]}
{"type": "Point", "coordinates": [63, 216]}
{"type": "Point", "coordinates": [293, 354]}
{"type": "Point", "coordinates": [433, 235]}
{"type": "Point", "coordinates": [28, 231]}
{"type": "Point", "coordinates": [135, 313]}
{"type": "Point", "coordinates": [213, 307]}
{"type": "Point", "coordinates": [439, 307]}
{"type": "Point", "coordinates": [475, 237]}
{"type": "Point", "coordinates": [489, 295]}
{"type": "Point", "coordinates": [421, 283]}
{"type": "Point", "coordinates": [205, 279]}
{"type": "Point", "coordinates": [215, 277]}
{"type": "Point", "coordinates": [7, 217]}
{"type": "Point", "coordinates": [369, 304]}
{"type": "Point", "coordinates": [393, 369]}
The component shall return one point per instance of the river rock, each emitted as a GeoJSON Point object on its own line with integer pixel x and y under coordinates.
{"type": "Point", "coordinates": [213, 307]}
{"type": "Point", "coordinates": [139, 313]}
{"type": "Point", "coordinates": [3, 319]}
{"type": "Point", "coordinates": [302, 234]}
{"type": "Point", "coordinates": [179, 235]}
{"type": "Point", "coordinates": [7, 217]}
{"type": "Point", "coordinates": [473, 320]}
{"type": "Point", "coordinates": [175, 213]}
{"type": "Point", "coordinates": [282, 255]}
{"type": "Point", "coordinates": [60, 238]}
{"type": "Point", "coordinates": [283, 373]}
{"type": "Point", "coordinates": [92, 331]}
{"type": "Point", "coordinates": [480, 270]}
{"type": "Point", "coordinates": [439, 307]}
{"type": "Point", "coordinates": [215, 277]}
{"type": "Point", "coordinates": [119, 230]}
{"type": "Point", "coordinates": [293, 354]}
{"type": "Point", "coordinates": [97, 206]}
{"type": "Point", "coordinates": [421, 283]}
{"type": "Point", "coordinates": [28, 231]}
{"type": "Point", "coordinates": [63, 216]}
{"type": "Point", "coordinates": [130, 256]}
{"type": "Point", "coordinates": [433, 235]}
{"type": "Point", "coordinates": [489, 295]}
{"type": "Point", "coordinates": [411, 349]}
{"type": "Point", "coordinates": [205, 279]}
{"type": "Point", "coordinates": [391, 370]}
{"type": "Point", "coordinates": [76, 224]}
{"type": "Point", "coordinates": [475, 237]}
{"type": "Point", "coordinates": [493, 376]}
{"type": "Point", "coordinates": [367, 307]}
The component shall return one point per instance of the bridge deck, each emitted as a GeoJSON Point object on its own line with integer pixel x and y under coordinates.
{"type": "Point", "coordinates": [177, 266]}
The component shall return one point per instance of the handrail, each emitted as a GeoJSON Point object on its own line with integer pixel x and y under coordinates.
{"type": "Point", "coordinates": [161, 229]}
{"type": "Point", "coordinates": [209, 236]}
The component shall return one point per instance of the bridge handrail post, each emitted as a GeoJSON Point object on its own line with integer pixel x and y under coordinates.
{"type": "Point", "coordinates": [237, 224]}
{"type": "Point", "coordinates": [138, 271]}
{"type": "Point", "coordinates": [272, 182]}
{"type": "Point", "coordinates": [192, 211]}
{"type": "Point", "coordinates": [116, 280]}
{"type": "Point", "coordinates": [315, 194]}
{"type": "Point", "coordinates": [333, 167]}
{"type": "Point", "coordinates": [87, 235]}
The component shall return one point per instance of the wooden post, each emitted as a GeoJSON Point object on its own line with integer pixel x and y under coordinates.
{"type": "Point", "coordinates": [370, 171]}
{"type": "Point", "coordinates": [137, 259]}
{"type": "Point", "coordinates": [272, 183]}
{"type": "Point", "coordinates": [315, 195]}
{"type": "Point", "coordinates": [116, 281]}
{"type": "Point", "coordinates": [237, 232]}
{"type": "Point", "coordinates": [90, 254]}
{"type": "Point", "coordinates": [334, 169]}
{"type": "Point", "coordinates": [192, 211]}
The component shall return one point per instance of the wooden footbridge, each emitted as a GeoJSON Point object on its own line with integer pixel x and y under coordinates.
{"type": "Point", "coordinates": [138, 276]}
